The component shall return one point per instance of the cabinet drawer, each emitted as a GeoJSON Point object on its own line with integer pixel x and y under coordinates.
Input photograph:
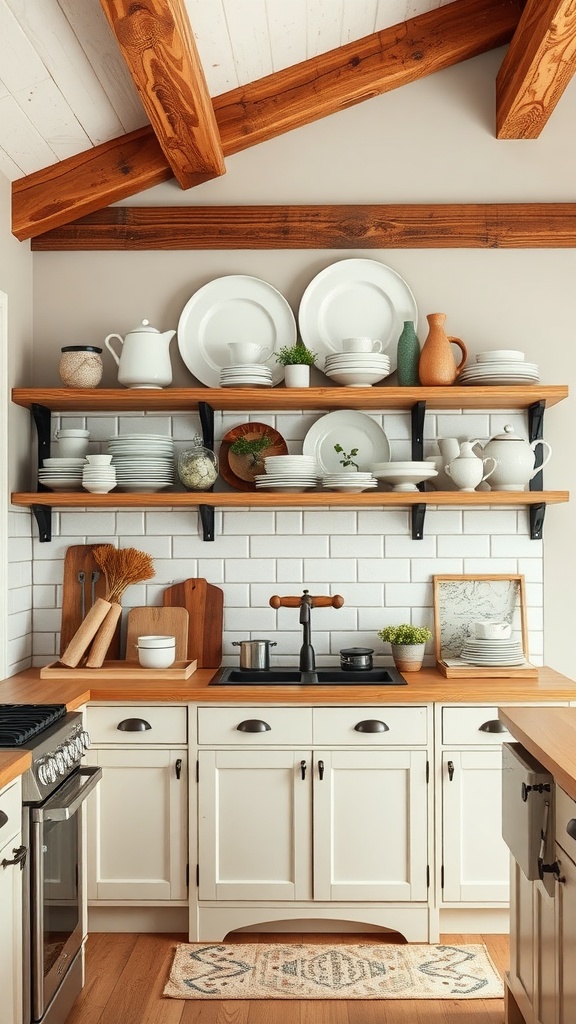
{"type": "Point", "coordinates": [286, 725]}
{"type": "Point", "coordinates": [11, 806]}
{"type": "Point", "coordinates": [472, 725]}
{"type": "Point", "coordinates": [566, 818]}
{"type": "Point", "coordinates": [167, 724]}
{"type": "Point", "coordinates": [340, 725]}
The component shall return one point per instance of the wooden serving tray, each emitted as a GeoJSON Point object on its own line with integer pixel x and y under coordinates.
{"type": "Point", "coordinates": [123, 670]}
{"type": "Point", "coordinates": [526, 671]}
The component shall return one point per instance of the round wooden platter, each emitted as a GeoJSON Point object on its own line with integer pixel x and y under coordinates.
{"type": "Point", "coordinates": [240, 471]}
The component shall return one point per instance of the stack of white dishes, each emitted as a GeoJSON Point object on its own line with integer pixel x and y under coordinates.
{"type": "Point", "coordinates": [62, 474]}
{"type": "Point", "coordinates": [357, 369]}
{"type": "Point", "coordinates": [500, 366]}
{"type": "Point", "coordinates": [246, 375]}
{"type": "Point", "coordinates": [288, 473]}
{"type": "Point", "coordinates": [404, 475]}
{"type": "Point", "coordinates": [492, 653]}
{"type": "Point", "coordinates": [143, 462]}
{"type": "Point", "coordinates": [98, 475]}
{"type": "Point", "coordinates": [349, 483]}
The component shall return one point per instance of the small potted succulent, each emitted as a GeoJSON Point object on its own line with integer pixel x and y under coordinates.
{"type": "Point", "coordinates": [297, 360]}
{"type": "Point", "coordinates": [408, 644]}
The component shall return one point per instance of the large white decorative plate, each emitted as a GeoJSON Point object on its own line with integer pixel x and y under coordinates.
{"type": "Point", "coordinates": [233, 308]}
{"type": "Point", "coordinates": [355, 298]}
{"type": "Point", "coordinates": [351, 430]}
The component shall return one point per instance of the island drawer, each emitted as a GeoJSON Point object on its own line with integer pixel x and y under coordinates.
{"type": "Point", "coordinates": [121, 724]}
{"type": "Point", "coordinates": [474, 725]}
{"type": "Point", "coordinates": [354, 725]}
{"type": "Point", "coordinates": [237, 726]}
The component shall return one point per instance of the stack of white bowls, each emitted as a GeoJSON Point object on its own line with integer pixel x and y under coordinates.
{"type": "Point", "coordinates": [500, 366]}
{"type": "Point", "coordinates": [246, 375]}
{"type": "Point", "coordinates": [359, 365]}
{"type": "Point", "coordinates": [156, 651]}
{"type": "Point", "coordinates": [98, 475]}
{"type": "Point", "coordinates": [62, 474]}
{"type": "Point", "coordinates": [404, 476]}
{"type": "Point", "coordinates": [143, 462]}
{"type": "Point", "coordinates": [349, 483]}
{"type": "Point", "coordinates": [288, 473]}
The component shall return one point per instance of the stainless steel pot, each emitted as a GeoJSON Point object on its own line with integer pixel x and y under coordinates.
{"type": "Point", "coordinates": [254, 654]}
{"type": "Point", "coordinates": [356, 658]}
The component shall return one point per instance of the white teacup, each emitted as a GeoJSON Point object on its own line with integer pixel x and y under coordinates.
{"type": "Point", "coordinates": [486, 630]}
{"type": "Point", "coordinates": [361, 345]}
{"type": "Point", "coordinates": [72, 444]}
{"type": "Point", "coordinates": [247, 352]}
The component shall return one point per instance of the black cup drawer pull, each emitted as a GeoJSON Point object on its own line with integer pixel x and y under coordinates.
{"type": "Point", "coordinates": [450, 770]}
{"type": "Point", "coordinates": [320, 770]}
{"type": "Point", "coordinates": [133, 725]}
{"type": "Point", "coordinates": [372, 725]}
{"type": "Point", "coordinates": [303, 769]}
{"type": "Point", "coordinates": [493, 725]}
{"type": "Point", "coordinates": [571, 828]}
{"type": "Point", "coordinates": [253, 725]}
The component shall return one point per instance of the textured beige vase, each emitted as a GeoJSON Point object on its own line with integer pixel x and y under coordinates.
{"type": "Point", "coordinates": [408, 657]}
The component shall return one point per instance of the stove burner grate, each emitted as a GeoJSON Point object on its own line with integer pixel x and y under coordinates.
{"type": "Point", "coordinates": [21, 722]}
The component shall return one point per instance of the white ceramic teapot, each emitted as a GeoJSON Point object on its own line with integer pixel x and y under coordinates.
{"type": "Point", "coordinates": [144, 361]}
{"type": "Point", "coordinates": [515, 458]}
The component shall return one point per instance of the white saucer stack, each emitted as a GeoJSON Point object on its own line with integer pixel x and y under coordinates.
{"type": "Point", "coordinates": [98, 475]}
{"type": "Point", "coordinates": [349, 483]}
{"type": "Point", "coordinates": [246, 375]}
{"type": "Point", "coordinates": [62, 474]}
{"type": "Point", "coordinates": [143, 462]}
{"type": "Point", "coordinates": [288, 473]}
{"type": "Point", "coordinates": [492, 653]}
{"type": "Point", "coordinates": [500, 366]}
{"type": "Point", "coordinates": [357, 369]}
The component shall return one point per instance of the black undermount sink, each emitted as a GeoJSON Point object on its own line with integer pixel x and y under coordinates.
{"type": "Point", "coordinates": [320, 677]}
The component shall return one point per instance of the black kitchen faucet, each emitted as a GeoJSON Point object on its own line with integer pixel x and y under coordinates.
{"type": "Point", "coordinates": [307, 662]}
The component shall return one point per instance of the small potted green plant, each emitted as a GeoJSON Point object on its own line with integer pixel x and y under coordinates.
{"type": "Point", "coordinates": [297, 360]}
{"type": "Point", "coordinates": [347, 460]}
{"type": "Point", "coordinates": [408, 644]}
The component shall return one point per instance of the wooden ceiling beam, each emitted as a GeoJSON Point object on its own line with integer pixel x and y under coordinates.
{"type": "Point", "coordinates": [538, 66]}
{"type": "Point", "coordinates": [158, 46]}
{"type": "Point", "coordinates": [264, 109]}
{"type": "Point", "coordinates": [422, 226]}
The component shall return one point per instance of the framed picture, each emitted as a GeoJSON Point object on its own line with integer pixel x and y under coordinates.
{"type": "Point", "coordinates": [480, 626]}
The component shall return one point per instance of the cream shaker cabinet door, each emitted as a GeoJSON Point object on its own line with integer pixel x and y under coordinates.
{"type": "Point", "coordinates": [138, 825]}
{"type": "Point", "coordinates": [254, 825]}
{"type": "Point", "coordinates": [11, 907]}
{"type": "Point", "coordinates": [474, 856]}
{"type": "Point", "coordinates": [370, 825]}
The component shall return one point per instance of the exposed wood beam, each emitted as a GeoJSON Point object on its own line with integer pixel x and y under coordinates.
{"type": "Point", "coordinates": [447, 226]}
{"type": "Point", "coordinates": [158, 46]}
{"type": "Point", "coordinates": [275, 104]}
{"type": "Point", "coordinates": [538, 66]}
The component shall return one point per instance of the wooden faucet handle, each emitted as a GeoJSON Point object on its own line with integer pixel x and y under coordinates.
{"type": "Point", "coordinates": [316, 602]}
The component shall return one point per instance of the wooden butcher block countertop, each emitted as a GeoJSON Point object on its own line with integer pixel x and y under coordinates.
{"type": "Point", "coordinates": [426, 686]}
{"type": "Point", "coordinates": [549, 734]}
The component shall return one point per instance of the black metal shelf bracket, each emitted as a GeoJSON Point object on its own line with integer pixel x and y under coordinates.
{"type": "Point", "coordinates": [417, 419]}
{"type": "Point", "coordinates": [418, 513]}
{"type": "Point", "coordinates": [206, 413]}
{"type": "Point", "coordinates": [537, 513]}
{"type": "Point", "coordinates": [536, 433]}
{"type": "Point", "coordinates": [43, 516]}
{"type": "Point", "coordinates": [207, 519]}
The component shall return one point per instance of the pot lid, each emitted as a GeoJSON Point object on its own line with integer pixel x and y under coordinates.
{"type": "Point", "coordinates": [80, 348]}
{"type": "Point", "coordinates": [353, 652]}
{"type": "Point", "coordinates": [508, 435]}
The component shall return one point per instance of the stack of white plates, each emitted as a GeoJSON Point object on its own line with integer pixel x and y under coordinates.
{"type": "Point", "coordinates": [288, 473]}
{"type": "Point", "coordinates": [349, 483]}
{"type": "Point", "coordinates": [357, 369]}
{"type": "Point", "coordinates": [246, 375]}
{"type": "Point", "coordinates": [143, 462]}
{"type": "Point", "coordinates": [62, 474]}
{"type": "Point", "coordinates": [492, 653]}
{"type": "Point", "coordinates": [501, 366]}
{"type": "Point", "coordinates": [404, 475]}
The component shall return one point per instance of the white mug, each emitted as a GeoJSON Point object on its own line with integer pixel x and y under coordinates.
{"type": "Point", "coordinates": [486, 630]}
{"type": "Point", "coordinates": [361, 345]}
{"type": "Point", "coordinates": [247, 352]}
{"type": "Point", "coordinates": [72, 444]}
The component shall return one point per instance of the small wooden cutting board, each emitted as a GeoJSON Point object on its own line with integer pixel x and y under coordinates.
{"type": "Point", "coordinates": [205, 604]}
{"type": "Point", "coordinates": [164, 621]}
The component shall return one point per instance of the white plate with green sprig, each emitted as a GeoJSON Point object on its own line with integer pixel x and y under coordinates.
{"type": "Point", "coordinates": [351, 430]}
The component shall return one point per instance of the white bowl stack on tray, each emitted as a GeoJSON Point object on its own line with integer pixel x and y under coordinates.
{"type": "Point", "coordinates": [62, 474]}
{"type": "Point", "coordinates": [143, 462]}
{"type": "Point", "coordinates": [295, 473]}
{"type": "Point", "coordinates": [357, 369]}
{"type": "Point", "coordinates": [500, 366]}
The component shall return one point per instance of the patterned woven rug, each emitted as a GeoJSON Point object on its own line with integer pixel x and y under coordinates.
{"type": "Point", "coordinates": [305, 971]}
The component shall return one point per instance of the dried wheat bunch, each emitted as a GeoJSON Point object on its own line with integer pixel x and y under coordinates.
{"type": "Point", "coordinates": [122, 567]}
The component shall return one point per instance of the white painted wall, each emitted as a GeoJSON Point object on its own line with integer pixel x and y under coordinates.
{"type": "Point", "coordinates": [432, 141]}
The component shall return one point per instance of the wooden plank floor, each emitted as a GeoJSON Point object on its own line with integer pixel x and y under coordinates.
{"type": "Point", "coordinates": [126, 973]}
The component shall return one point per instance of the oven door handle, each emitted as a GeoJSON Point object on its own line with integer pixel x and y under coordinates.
{"type": "Point", "coordinates": [68, 798]}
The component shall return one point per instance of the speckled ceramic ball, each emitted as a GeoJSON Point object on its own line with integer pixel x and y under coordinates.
{"type": "Point", "coordinates": [197, 468]}
{"type": "Point", "coordinates": [81, 366]}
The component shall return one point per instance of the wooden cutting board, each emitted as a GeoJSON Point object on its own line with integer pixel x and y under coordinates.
{"type": "Point", "coordinates": [79, 594]}
{"type": "Point", "coordinates": [147, 621]}
{"type": "Point", "coordinates": [205, 605]}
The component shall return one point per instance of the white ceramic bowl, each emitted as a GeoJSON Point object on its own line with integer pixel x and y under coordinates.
{"type": "Point", "coordinates": [500, 355]}
{"type": "Point", "coordinates": [405, 479]}
{"type": "Point", "coordinates": [99, 460]}
{"type": "Point", "coordinates": [156, 657]}
{"type": "Point", "coordinates": [96, 487]}
{"type": "Point", "coordinates": [156, 641]}
{"type": "Point", "coordinates": [357, 378]}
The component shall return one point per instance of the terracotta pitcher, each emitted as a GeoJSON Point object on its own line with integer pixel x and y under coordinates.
{"type": "Point", "coordinates": [437, 366]}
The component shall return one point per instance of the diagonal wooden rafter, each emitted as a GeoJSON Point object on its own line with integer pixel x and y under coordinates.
{"type": "Point", "coordinates": [264, 109]}
{"type": "Point", "coordinates": [538, 66]}
{"type": "Point", "coordinates": [158, 46]}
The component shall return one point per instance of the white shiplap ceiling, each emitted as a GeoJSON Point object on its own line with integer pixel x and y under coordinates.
{"type": "Point", "coordinates": [64, 86]}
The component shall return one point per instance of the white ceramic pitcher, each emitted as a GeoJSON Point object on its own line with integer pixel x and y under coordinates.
{"type": "Point", "coordinates": [144, 360]}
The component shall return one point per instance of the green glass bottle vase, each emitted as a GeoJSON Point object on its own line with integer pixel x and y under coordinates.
{"type": "Point", "coordinates": [408, 356]}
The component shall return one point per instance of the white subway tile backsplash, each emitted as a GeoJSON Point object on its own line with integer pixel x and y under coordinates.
{"type": "Point", "coordinates": [249, 620]}
{"type": "Point", "coordinates": [20, 549]}
{"type": "Point", "coordinates": [249, 570]}
{"type": "Point", "coordinates": [46, 644]}
{"type": "Point", "coordinates": [88, 523]}
{"type": "Point", "coordinates": [490, 520]}
{"type": "Point", "coordinates": [21, 623]}
{"type": "Point", "coordinates": [248, 521]}
{"type": "Point", "coordinates": [328, 522]}
{"type": "Point", "coordinates": [464, 547]}
{"type": "Point", "coordinates": [478, 566]}
{"type": "Point", "coordinates": [20, 599]}
{"type": "Point", "coordinates": [412, 595]}
{"type": "Point", "coordinates": [131, 523]}
{"type": "Point", "coordinates": [423, 569]}
{"type": "Point", "coordinates": [289, 521]}
{"type": "Point", "coordinates": [373, 619]}
{"type": "Point", "coordinates": [531, 569]}
{"type": "Point", "coordinates": [211, 569]}
{"type": "Point", "coordinates": [237, 595]}
{"type": "Point", "coordinates": [383, 570]}
{"type": "Point", "coordinates": [289, 570]}
{"type": "Point", "coordinates": [330, 570]}
{"type": "Point", "coordinates": [259, 594]}
{"type": "Point", "coordinates": [177, 521]}
{"type": "Point", "coordinates": [361, 595]}
{"type": "Point", "coordinates": [517, 547]}
{"type": "Point", "coordinates": [384, 521]}
{"type": "Point", "coordinates": [368, 546]}
{"type": "Point", "coordinates": [157, 547]}
{"type": "Point", "coordinates": [289, 545]}
{"type": "Point", "coordinates": [405, 547]}
{"type": "Point", "coordinates": [47, 619]}
{"type": "Point", "coordinates": [220, 547]}
{"type": "Point", "coordinates": [442, 520]}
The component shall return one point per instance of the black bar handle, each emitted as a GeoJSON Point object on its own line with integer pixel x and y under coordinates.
{"type": "Point", "coordinates": [303, 769]}
{"type": "Point", "coordinates": [320, 770]}
{"type": "Point", "coordinates": [450, 770]}
{"type": "Point", "coordinates": [19, 857]}
{"type": "Point", "coordinates": [178, 767]}
{"type": "Point", "coordinates": [253, 725]}
{"type": "Point", "coordinates": [372, 725]}
{"type": "Point", "coordinates": [133, 725]}
{"type": "Point", "coordinates": [492, 725]}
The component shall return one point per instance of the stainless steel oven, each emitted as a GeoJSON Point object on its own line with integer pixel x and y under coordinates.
{"type": "Point", "coordinates": [54, 923]}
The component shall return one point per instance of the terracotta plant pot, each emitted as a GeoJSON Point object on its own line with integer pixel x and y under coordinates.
{"type": "Point", "coordinates": [408, 657]}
